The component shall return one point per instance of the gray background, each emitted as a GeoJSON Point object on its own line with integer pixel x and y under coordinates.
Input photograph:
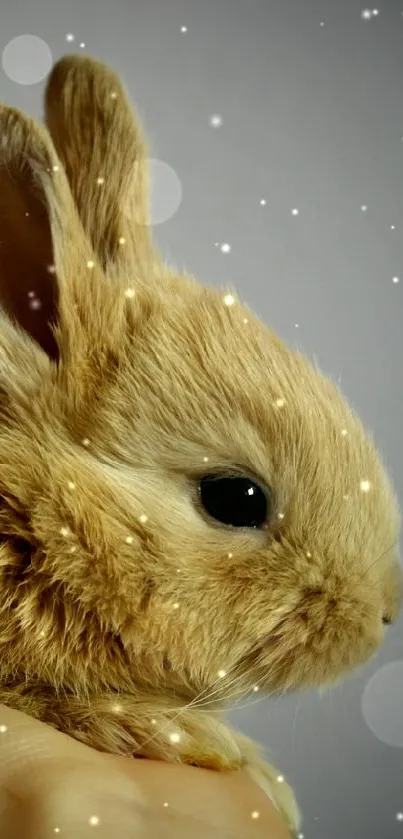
{"type": "Point", "coordinates": [310, 96]}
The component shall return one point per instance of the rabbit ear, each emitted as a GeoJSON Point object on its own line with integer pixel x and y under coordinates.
{"type": "Point", "coordinates": [42, 242]}
{"type": "Point", "coordinates": [105, 157]}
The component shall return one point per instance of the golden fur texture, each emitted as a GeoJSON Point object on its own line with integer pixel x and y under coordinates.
{"type": "Point", "coordinates": [128, 618]}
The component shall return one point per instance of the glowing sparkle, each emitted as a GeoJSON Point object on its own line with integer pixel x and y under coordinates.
{"type": "Point", "coordinates": [56, 830]}
{"type": "Point", "coordinates": [295, 212]}
{"type": "Point", "coordinates": [225, 247]}
{"type": "Point", "coordinates": [255, 688]}
{"type": "Point", "coordinates": [70, 37]}
{"type": "Point", "coordinates": [82, 45]}
{"type": "Point", "coordinates": [364, 208]}
{"type": "Point", "coordinates": [245, 320]}
{"type": "Point", "coordinates": [175, 738]}
{"type": "Point", "coordinates": [64, 531]}
{"type": "Point", "coordinates": [122, 240]}
{"type": "Point", "coordinates": [117, 709]}
{"type": "Point", "coordinates": [280, 779]}
{"type": "Point", "coordinates": [154, 722]}
{"type": "Point", "coordinates": [93, 821]}
{"type": "Point", "coordinates": [280, 403]}
{"type": "Point", "coordinates": [51, 269]}
{"type": "Point", "coordinates": [263, 202]}
{"type": "Point", "coordinates": [216, 120]}
{"type": "Point", "coordinates": [176, 606]}
{"type": "Point", "coordinates": [221, 674]}
{"type": "Point", "coordinates": [344, 431]}
{"type": "Point", "coordinates": [280, 515]}
{"type": "Point", "coordinates": [55, 168]}
{"type": "Point", "coordinates": [392, 227]}
{"type": "Point", "coordinates": [205, 459]}
{"type": "Point", "coordinates": [100, 181]}
{"type": "Point", "coordinates": [166, 804]}
{"type": "Point", "coordinates": [35, 304]}
{"type": "Point", "coordinates": [345, 497]}
{"type": "Point", "coordinates": [230, 555]}
{"type": "Point", "coordinates": [184, 29]}
{"type": "Point", "coordinates": [129, 540]}
{"type": "Point", "coordinates": [42, 633]}
{"type": "Point", "coordinates": [130, 292]}
{"type": "Point", "coordinates": [365, 486]}
{"type": "Point", "coordinates": [71, 485]}
{"type": "Point", "coordinates": [90, 263]}
{"type": "Point", "coordinates": [3, 729]}
{"type": "Point", "coordinates": [399, 817]}
{"type": "Point", "coordinates": [114, 95]}
{"type": "Point", "coordinates": [366, 14]}
{"type": "Point", "coordinates": [229, 300]}
{"type": "Point", "coordinates": [85, 442]}
{"type": "Point", "coordinates": [255, 814]}
{"type": "Point", "coordinates": [396, 280]}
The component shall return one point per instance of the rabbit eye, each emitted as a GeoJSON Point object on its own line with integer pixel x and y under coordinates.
{"type": "Point", "coordinates": [234, 500]}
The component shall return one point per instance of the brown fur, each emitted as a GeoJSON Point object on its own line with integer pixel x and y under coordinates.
{"type": "Point", "coordinates": [114, 627]}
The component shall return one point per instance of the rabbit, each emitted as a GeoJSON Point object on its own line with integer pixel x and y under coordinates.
{"type": "Point", "coordinates": [190, 512]}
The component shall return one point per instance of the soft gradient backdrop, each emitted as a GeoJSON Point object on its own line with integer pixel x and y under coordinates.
{"type": "Point", "coordinates": [276, 131]}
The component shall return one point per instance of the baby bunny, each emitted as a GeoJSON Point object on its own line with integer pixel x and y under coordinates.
{"type": "Point", "coordinates": [188, 509]}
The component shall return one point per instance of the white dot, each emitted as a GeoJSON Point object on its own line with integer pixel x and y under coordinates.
{"type": "Point", "coordinates": [27, 59]}
{"type": "Point", "coordinates": [174, 738]}
{"type": "Point", "coordinates": [255, 814]}
{"type": "Point", "coordinates": [3, 729]}
{"type": "Point", "coordinates": [382, 704]}
{"type": "Point", "coordinates": [366, 14]}
{"type": "Point", "coordinates": [263, 202]}
{"type": "Point", "coordinates": [130, 292]}
{"type": "Point", "coordinates": [70, 37]}
{"type": "Point", "coordinates": [221, 674]}
{"type": "Point", "coordinates": [322, 23]}
{"type": "Point", "coordinates": [295, 212]}
{"type": "Point", "coordinates": [90, 263]}
{"type": "Point", "coordinates": [100, 181]}
{"type": "Point", "coordinates": [56, 830]}
{"type": "Point", "coordinates": [35, 304]}
{"type": "Point", "coordinates": [93, 821]}
{"type": "Point", "coordinates": [229, 300]}
{"type": "Point", "coordinates": [392, 227]}
{"type": "Point", "coordinates": [143, 518]}
{"type": "Point", "coordinates": [184, 29]}
{"type": "Point", "coordinates": [225, 247]}
{"type": "Point", "coordinates": [365, 486]}
{"type": "Point", "coordinates": [216, 120]}
{"type": "Point", "coordinates": [399, 817]}
{"type": "Point", "coordinates": [375, 12]}
{"type": "Point", "coordinates": [82, 45]}
{"type": "Point", "coordinates": [364, 208]}
{"type": "Point", "coordinates": [396, 279]}
{"type": "Point", "coordinates": [280, 403]}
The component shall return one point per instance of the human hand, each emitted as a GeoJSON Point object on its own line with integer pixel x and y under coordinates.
{"type": "Point", "coordinates": [52, 785]}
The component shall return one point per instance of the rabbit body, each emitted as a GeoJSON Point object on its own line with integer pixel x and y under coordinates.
{"type": "Point", "coordinates": [129, 617]}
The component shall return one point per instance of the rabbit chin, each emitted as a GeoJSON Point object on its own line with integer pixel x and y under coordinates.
{"type": "Point", "coordinates": [299, 654]}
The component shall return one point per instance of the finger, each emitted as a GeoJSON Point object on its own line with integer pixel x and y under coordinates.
{"type": "Point", "coordinates": [50, 784]}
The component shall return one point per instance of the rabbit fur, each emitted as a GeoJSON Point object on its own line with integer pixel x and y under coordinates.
{"type": "Point", "coordinates": [128, 618]}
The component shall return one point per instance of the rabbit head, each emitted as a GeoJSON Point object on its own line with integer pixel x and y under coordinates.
{"type": "Point", "coordinates": [186, 505]}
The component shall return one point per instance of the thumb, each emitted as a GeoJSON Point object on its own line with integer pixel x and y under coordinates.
{"type": "Point", "coordinates": [51, 784]}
